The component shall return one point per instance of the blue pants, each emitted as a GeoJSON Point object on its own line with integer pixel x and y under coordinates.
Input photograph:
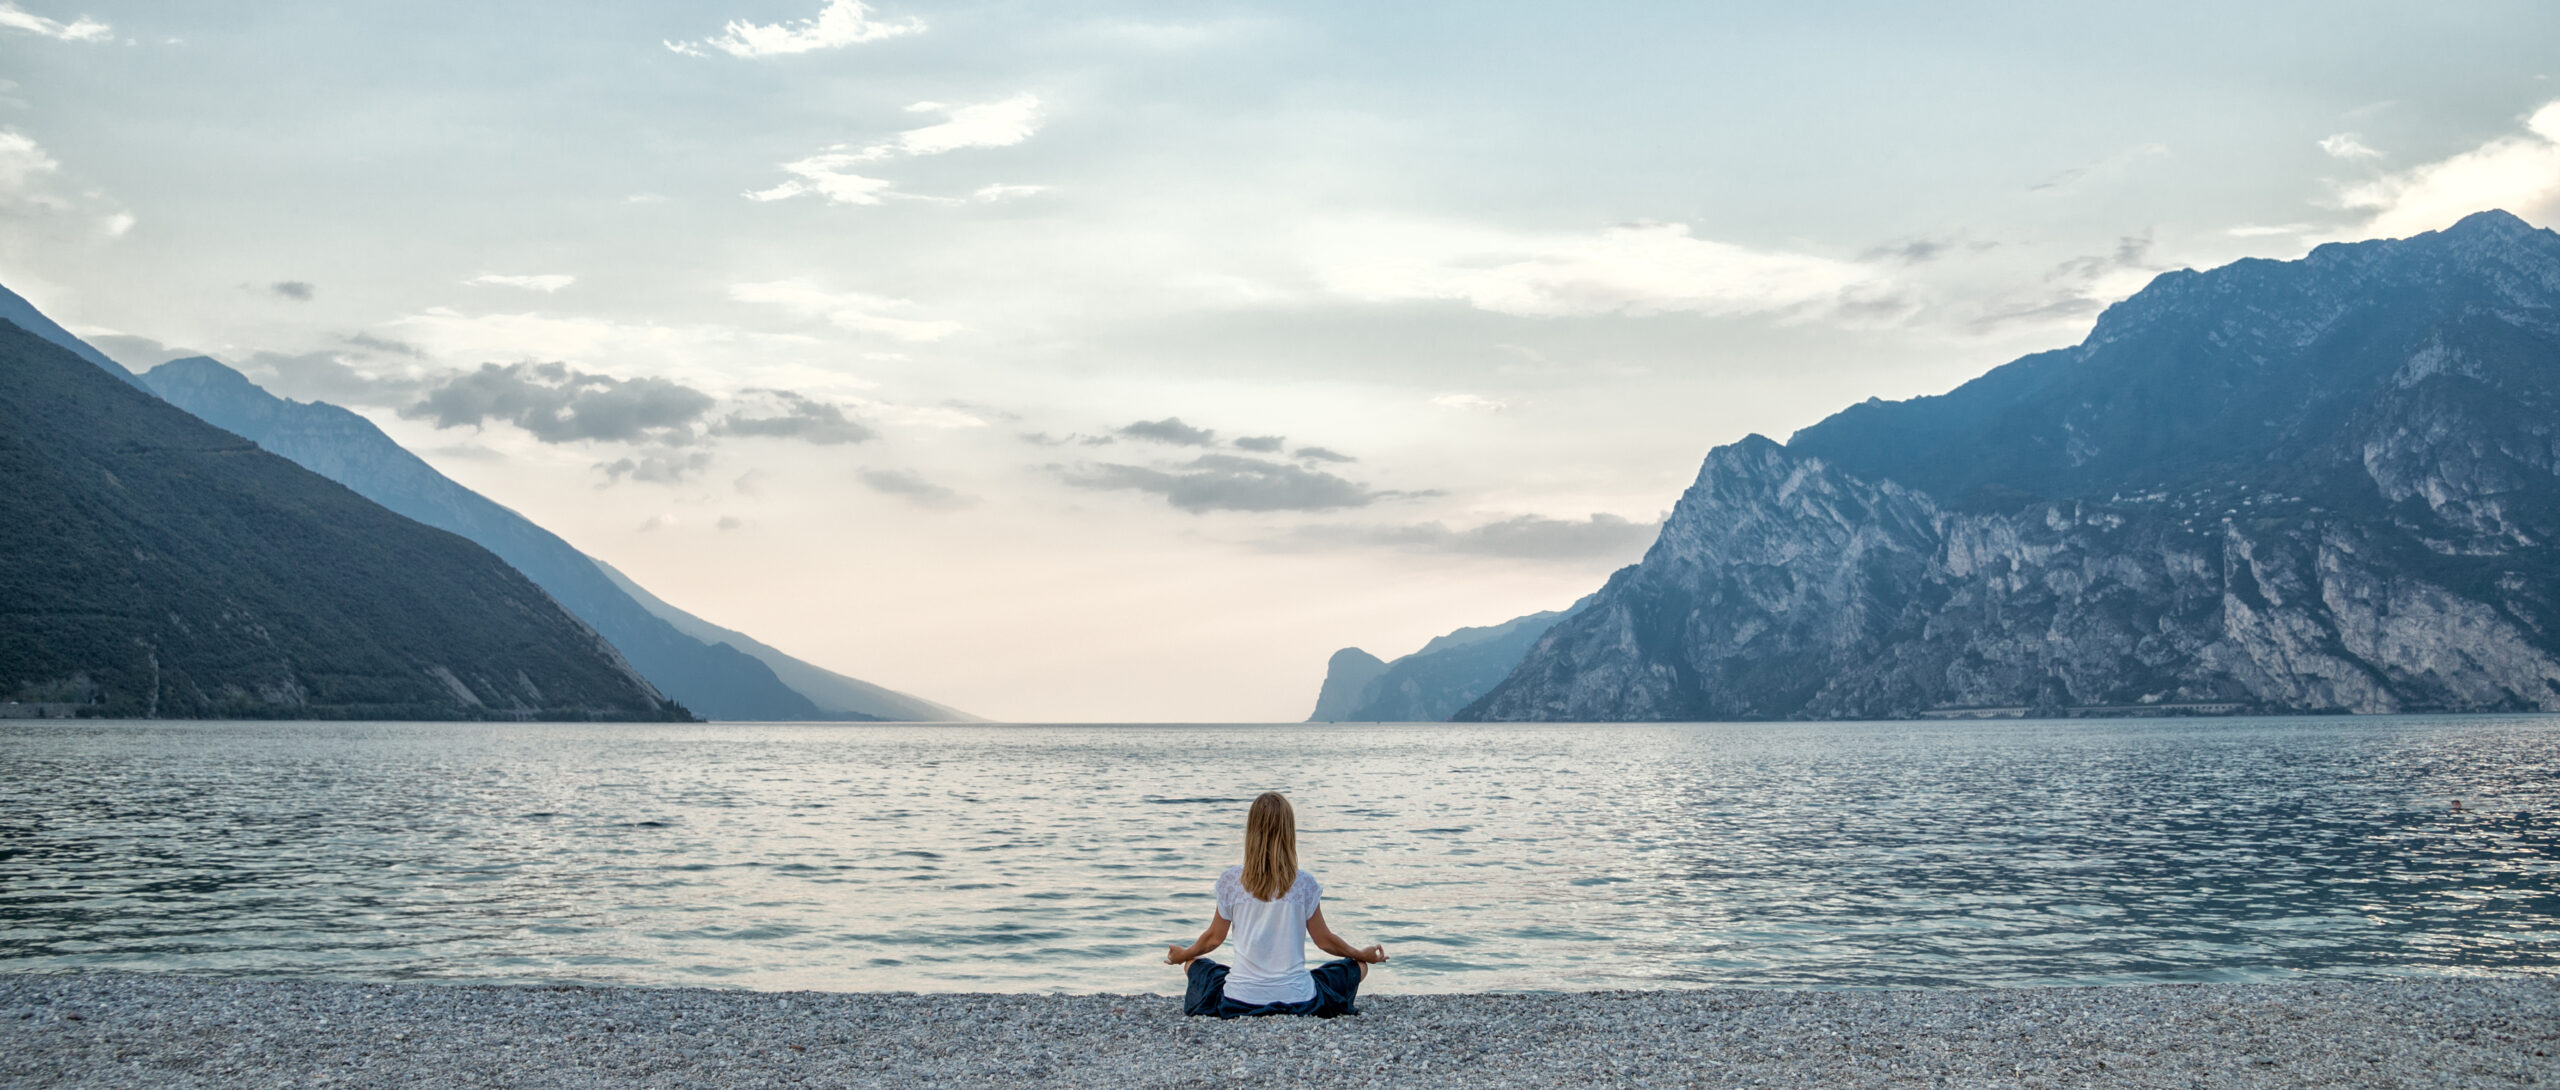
{"type": "Point", "coordinates": [1337, 990]}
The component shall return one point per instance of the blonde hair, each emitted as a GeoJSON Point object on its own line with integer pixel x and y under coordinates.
{"type": "Point", "coordinates": [1270, 847]}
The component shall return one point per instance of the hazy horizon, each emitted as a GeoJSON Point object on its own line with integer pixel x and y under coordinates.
{"type": "Point", "coordinates": [1123, 364]}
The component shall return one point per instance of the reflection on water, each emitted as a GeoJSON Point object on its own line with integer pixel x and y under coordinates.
{"type": "Point", "coordinates": [1485, 857]}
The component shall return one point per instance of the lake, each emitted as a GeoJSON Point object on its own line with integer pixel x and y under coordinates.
{"type": "Point", "coordinates": [1064, 858]}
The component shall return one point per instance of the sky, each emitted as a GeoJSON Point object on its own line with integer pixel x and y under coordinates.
{"type": "Point", "coordinates": [1121, 361]}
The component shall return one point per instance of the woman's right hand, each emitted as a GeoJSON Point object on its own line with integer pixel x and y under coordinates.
{"type": "Point", "coordinates": [1176, 954]}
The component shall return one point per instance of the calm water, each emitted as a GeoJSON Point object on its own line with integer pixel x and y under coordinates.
{"type": "Point", "coordinates": [1064, 858]}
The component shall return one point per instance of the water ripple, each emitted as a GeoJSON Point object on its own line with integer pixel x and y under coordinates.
{"type": "Point", "coordinates": [1034, 858]}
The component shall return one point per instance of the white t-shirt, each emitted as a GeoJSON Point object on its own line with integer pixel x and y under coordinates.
{"type": "Point", "coordinates": [1270, 940]}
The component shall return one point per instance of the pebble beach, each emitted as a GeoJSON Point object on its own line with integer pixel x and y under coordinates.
{"type": "Point", "coordinates": [135, 1030]}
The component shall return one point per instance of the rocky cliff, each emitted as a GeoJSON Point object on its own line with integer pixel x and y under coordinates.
{"type": "Point", "coordinates": [2330, 484]}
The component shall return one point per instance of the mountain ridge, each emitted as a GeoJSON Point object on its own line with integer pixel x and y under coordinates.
{"type": "Point", "coordinates": [160, 567]}
{"type": "Point", "coordinates": [714, 678]}
{"type": "Point", "coordinates": [2324, 485]}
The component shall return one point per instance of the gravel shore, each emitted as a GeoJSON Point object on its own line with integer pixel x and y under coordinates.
{"type": "Point", "coordinates": [114, 1029]}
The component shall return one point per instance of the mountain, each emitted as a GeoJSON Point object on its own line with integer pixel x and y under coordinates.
{"type": "Point", "coordinates": [155, 565]}
{"type": "Point", "coordinates": [15, 310]}
{"type": "Point", "coordinates": [1431, 684]}
{"type": "Point", "coordinates": [714, 678]}
{"type": "Point", "coordinates": [2330, 484]}
{"type": "Point", "coordinates": [1347, 677]}
{"type": "Point", "coordinates": [840, 697]}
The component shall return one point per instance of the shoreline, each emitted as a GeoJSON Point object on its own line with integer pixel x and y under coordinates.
{"type": "Point", "coordinates": [167, 1030]}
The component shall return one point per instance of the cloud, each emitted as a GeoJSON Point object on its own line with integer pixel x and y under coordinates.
{"type": "Point", "coordinates": [1636, 269]}
{"type": "Point", "coordinates": [1470, 403]}
{"type": "Point", "coordinates": [299, 291]}
{"type": "Point", "coordinates": [835, 173]}
{"type": "Point", "coordinates": [23, 166]}
{"type": "Point", "coordinates": [1527, 537]}
{"type": "Point", "coordinates": [2256, 230]}
{"type": "Point", "coordinates": [2076, 287]}
{"type": "Point", "coordinates": [383, 345]}
{"type": "Point", "coordinates": [2347, 145]}
{"type": "Point", "coordinates": [656, 467]}
{"type": "Point", "coordinates": [445, 333]}
{"type": "Point", "coordinates": [825, 175]}
{"type": "Point", "coordinates": [787, 415]}
{"type": "Point", "coordinates": [1918, 251]}
{"type": "Point", "coordinates": [327, 376]}
{"type": "Point", "coordinates": [2518, 173]}
{"type": "Point", "coordinates": [558, 404]}
{"type": "Point", "coordinates": [998, 124]}
{"type": "Point", "coordinates": [541, 282]}
{"type": "Point", "coordinates": [1227, 482]}
{"type": "Point", "coordinates": [1042, 438]}
{"type": "Point", "coordinates": [730, 522]}
{"type": "Point", "coordinates": [83, 29]}
{"type": "Point", "coordinates": [989, 194]}
{"type": "Point", "coordinates": [841, 23]}
{"type": "Point", "coordinates": [27, 174]}
{"type": "Point", "coordinates": [914, 489]}
{"type": "Point", "coordinates": [850, 310]}
{"type": "Point", "coordinates": [1261, 444]}
{"type": "Point", "coordinates": [1171, 430]}
{"type": "Point", "coordinates": [2102, 168]}
{"type": "Point", "coordinates": [1320, 454]}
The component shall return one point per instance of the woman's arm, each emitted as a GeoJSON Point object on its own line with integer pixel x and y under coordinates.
{"type": "Point", "coordinates": [1210, 939]}
{"type": "Point", "coordinates": [1330, 943]}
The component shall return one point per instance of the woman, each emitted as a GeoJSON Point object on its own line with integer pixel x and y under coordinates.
{"type": "Point", "coordinates": [1273, 908]}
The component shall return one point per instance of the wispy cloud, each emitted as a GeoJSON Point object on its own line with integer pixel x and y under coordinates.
{"type": "Point", "coordinates": [847, 309]}
{"type": "Point", "coordinates": [1171, 430]}
{"type": "Point", "coordinates": [1525, 537]}
{"type": "Point", "coordinates": [990, 194]}
{"type": "Point", "coordinates": [2268, 230]}
{"type": "Point", "coordinates": [999, 124]}
{"type": "Point", "coordinates": [836, 172]}
{"type": "Point", "coordinates": [1474, 403]}
{"type": "Point", "coordinates": [299, 291]}
{"type": "Point", "coordinates": [657, 467]}
{"type": "Point", "coordinates": [828, 174]}
{"type": "Point", "coordinates": [782, 414]}
{"type": "Point", "coordinates": [2347, 145]}
{"type": "Point", "coordinates": [28, 175]}
{"type": "Point", "coordinates": [541, 282]}
{"type": "Point", "coordinates": [914, 489]}
{"type": "Point", "coordinates": [1635, 269]}
{"type": "Point", "coordinates": [2519, 173]}
{"type": "Point", "coordinates": [82, 29]}
{"type": "Point", "coordinates": [2099, 169]}
{"type": "Point", "coordinates": [841, 23]}
{"type": "Point", "coordinates": [1228, 482]}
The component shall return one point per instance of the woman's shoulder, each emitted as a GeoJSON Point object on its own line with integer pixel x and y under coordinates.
{"type": "Point", "coordinates": [1306, 888]}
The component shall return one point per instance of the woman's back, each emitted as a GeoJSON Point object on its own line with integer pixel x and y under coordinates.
{"type": "Point", "coordinates": [1270, 939]}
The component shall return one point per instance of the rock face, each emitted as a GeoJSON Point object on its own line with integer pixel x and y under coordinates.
{"type": "Point", "coordinates": [1431, 684]}
{"type": "Point", "coordinates": [717, 678]}
{"type": "Point", "coordinates": [152, 564]}
{"type": "Point", "coordinates": [2331, 484]}
{"type": "Point", "coordinates": [1347, 676]}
